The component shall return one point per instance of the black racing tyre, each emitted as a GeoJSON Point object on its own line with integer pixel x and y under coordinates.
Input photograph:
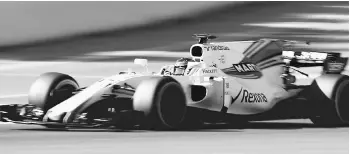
{"type": "Point", "coordinates": [163, 102]}
{"type": "Point", "coordinates": [51, 89]}
{"type": "Point", "coordinates": [337, 113]}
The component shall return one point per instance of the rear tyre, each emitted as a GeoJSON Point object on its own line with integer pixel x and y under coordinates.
{"type": "Point", "coordinates": [51, 89]}
{"type": "Point", "coordinates": [336, 111]}
{"type": "Point", "coordinates": [163, 102]}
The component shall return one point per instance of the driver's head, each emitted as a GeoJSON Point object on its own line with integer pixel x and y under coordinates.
{"type": "Point", "coordinates": [181, 65]}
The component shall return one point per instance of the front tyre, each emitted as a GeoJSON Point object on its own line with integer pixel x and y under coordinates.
{"type": "Point", "coordinates": [163, 102]}
{"type": "Point", "coordinates": [51, 89]}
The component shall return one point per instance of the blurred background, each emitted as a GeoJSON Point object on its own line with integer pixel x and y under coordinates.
{"type": "Point", "coordinates": [95, 39]}
{"type": "Point", "coordinates": [79, 30]}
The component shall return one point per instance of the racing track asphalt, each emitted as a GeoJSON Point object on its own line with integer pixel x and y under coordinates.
{"type": "Point", "coordinates": [282, 137]}
{"type": "Point", "coordinates": [267, 138]}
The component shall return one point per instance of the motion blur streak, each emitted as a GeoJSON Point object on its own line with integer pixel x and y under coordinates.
{"type": "Point", "coordinates": [337, 6]}
{"type": "Point", "coordinates": [309, 25]}
{"type": "Point", "coordinates": [335, 22]}
{"type": "Point", "coordinates": [339, 17]}
{"type": "Point", "coordinates": [22, 21]}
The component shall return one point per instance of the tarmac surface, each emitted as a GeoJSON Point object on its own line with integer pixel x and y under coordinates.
{"type": "Point", "coordinates": [20, 66]}
{"type": "Point", "coordinates": [269, 138]}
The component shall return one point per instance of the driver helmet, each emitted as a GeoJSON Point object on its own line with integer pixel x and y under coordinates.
{"type": "Point", "coordinates": [181, 65]}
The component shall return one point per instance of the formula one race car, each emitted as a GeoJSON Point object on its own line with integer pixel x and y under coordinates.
{"type": "Point", "coordinates": [222, 82]}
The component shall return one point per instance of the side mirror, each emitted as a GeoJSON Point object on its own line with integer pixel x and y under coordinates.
{"type": "Point", "coordinates": [142, 62]}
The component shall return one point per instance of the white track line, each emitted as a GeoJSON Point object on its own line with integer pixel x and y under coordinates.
{"type": "Point", "coordinates": [13, 96]}
{"type": "Point", "coordinates": [37, 75]}
{"type": "Point", "coordinates": [21, 64]}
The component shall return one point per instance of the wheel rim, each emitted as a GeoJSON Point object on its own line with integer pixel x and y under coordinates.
{"type": "Point", "coordinates": [54, 99]}
{"type": "Point", "coordinates": [65, 84]}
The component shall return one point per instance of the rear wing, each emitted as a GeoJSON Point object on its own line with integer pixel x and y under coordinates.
{"type": "Point", "coordinates": [331, 62]}
{"type": "Point", "coordinates": [305, 56]}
